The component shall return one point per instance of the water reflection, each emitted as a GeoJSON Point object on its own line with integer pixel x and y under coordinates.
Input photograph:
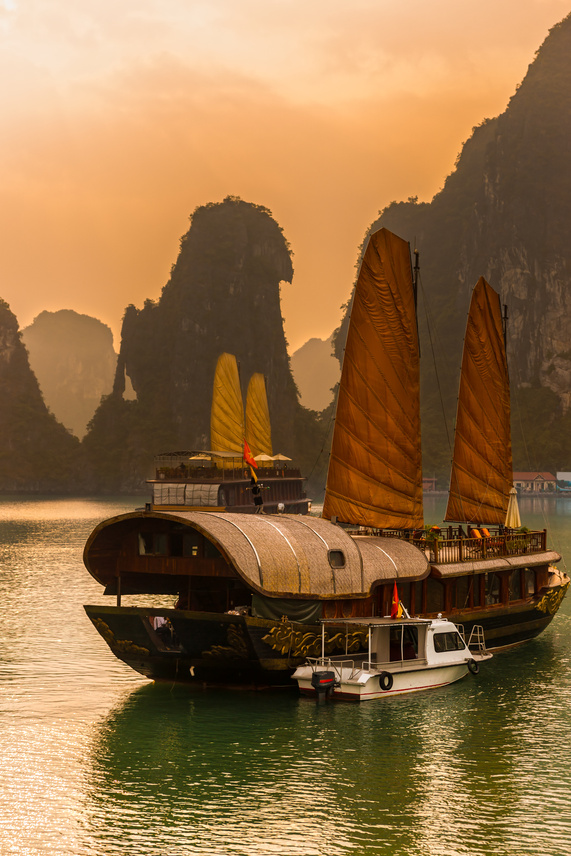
{"type": "Point", "coordinates": [248, 774]}
{"type": "Point", "coordinates": [100, 765]}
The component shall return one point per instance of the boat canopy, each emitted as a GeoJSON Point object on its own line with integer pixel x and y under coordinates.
{"type": "Point", "coordinates": [501, 563]}
{"type": "Point", "coordinates": [375, 469]}
{"type": "Point", "coordinates": [481, 476]}
{"type": "Point", "coordinates": [288, 556]}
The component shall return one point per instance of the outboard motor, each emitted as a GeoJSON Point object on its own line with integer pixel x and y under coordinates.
{"type": "Point", "coordinates": [323, 683]}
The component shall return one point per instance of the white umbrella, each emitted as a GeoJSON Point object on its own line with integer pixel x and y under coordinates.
{"type": "Point", "coordinates": [263, 457]}
{"type": "Point", "coordinates": [513, 520]}
{"type": "Point", "coordinates": [281, 458]}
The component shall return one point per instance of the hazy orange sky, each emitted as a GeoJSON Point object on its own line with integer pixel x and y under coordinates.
{"type": "Point", "coordinates": [119, 118]}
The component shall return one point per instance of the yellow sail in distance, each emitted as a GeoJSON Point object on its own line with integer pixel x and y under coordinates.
{"type": "Point", "coordinates": [481, 476]}
{"type": "Point", "coordinates": [375, 468]}
{"type": "Point", "coordinates": [258, 428]}
{"type": "Point", "coordinates": [227, 414]}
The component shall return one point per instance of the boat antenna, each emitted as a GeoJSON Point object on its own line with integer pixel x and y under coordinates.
{"type": "Point", "coordinates": [416, 271]}
{"type": "Point", "coordinates": [505, 319]}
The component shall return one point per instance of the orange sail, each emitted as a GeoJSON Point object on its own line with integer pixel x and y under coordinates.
{"type": "Point", "coordinates": [375, 469]}
{"type": "Point", "coordinates": [227, 415]}
{"type": "Point", "coordinates": [258, 429]}
{"type": "Point", "coordinates": [481, 476]}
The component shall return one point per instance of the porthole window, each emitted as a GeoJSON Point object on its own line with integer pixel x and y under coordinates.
{"type": "Point", "coordinates": [337, 558]}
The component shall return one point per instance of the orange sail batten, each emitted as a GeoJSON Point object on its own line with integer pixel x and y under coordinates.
{"type": "Point", "coordinates": [375, 469]}
{"type": "Point", "coordinates": [227, 414]}
{"type": "Point", "coordinates": [481, 476]}
{"type": "Point", "coordinates": [258, 428]}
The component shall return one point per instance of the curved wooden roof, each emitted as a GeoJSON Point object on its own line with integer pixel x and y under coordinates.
{"type": "Point", "coordinates": [290, 555]}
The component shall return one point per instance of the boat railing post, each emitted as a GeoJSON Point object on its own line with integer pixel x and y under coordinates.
{"type": "Point", "coordinates": [323, 641]}
{"type": "Point", "coordinates": [370, 631]}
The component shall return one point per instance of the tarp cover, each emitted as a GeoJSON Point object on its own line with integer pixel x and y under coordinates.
{"type": "Point", "coordinates": [375, 470]}
{"type": "Point", "coordinates": [304, 611]}
{"type": "Point", "coordinates": [201, 495]}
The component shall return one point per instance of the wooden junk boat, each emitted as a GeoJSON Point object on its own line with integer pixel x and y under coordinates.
{"type": "Point", "coordinates": [219, 479]}
{"type": "Point", "coordinates": [251, 589]}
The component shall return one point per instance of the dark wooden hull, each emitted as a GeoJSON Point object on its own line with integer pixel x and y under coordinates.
{"type": "Point", "coordinates": [218, 649]}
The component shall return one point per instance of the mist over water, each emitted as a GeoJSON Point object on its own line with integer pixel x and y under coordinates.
{"type": "Point", "coordinates": [99, 762]}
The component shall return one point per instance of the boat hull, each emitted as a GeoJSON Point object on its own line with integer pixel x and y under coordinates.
{"type": "Point", "coordinates": [214, 649]}
{"type": "Point", "coordinates": [205, 649]}
{"type": "Point", "coordinates": [410, 681]}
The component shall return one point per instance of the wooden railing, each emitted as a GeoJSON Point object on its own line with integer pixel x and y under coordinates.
{"type": "Point", "coordinates": [450, 550]}
{"type": "Point", "coordinates": [219, 474]}
{"type": "Point", "coordinates": [441, 550]}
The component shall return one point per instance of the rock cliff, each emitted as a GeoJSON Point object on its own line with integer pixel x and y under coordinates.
{"type": "Point", "coordinates": [223, 295]}
{"type": "Point", "coordinates": [36, 452]}
{"type": "Point", "coordinates": [503, 214]}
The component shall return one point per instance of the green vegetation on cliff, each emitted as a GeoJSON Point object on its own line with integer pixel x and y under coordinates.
{"type": "Point", "coordinates": [223, 295]}
{"type": "Point", "coordinates": [36, 452]}
{"type": "Point", "coordinates": [503, 214]}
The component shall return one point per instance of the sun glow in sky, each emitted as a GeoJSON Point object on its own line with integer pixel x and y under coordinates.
{"type": "Point", "coordinates": [118, 119]}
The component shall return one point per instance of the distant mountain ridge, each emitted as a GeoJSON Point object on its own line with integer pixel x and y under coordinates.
{"type": "Point", "coordinates": [73, 358]}
{"type": "Point", "coordinates": [316, 370]}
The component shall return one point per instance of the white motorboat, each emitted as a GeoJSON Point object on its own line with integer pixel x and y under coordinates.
{"type": "Point", "coordinates": [404, 655]}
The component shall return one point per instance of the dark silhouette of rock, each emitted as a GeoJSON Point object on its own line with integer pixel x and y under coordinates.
{"type": "Point", "coordinates": [73, 359]}
{"type": "Point", "coordinates": [223, 295]}
{"type": "Point", "coordinates": [503, 214]}
{"type": "Point", "coordinates": [36, 452]}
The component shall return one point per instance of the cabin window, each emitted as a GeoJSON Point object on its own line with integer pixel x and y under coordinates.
{"type": "Point", "coordinates": [176, 545]}
{"type": "Point", "coordinates": [463, 591]}
{"type": "Point", "coordinates": [492, 588]}
{"type": "Point", "coordinates": [153, 544]}
{"type": "Point", "coordinates": [403, 643]}
{"type": "Point", "coordinates": [448, 642]}
{"type": "Point", "coordinates": [337, 558]}
{"type": "Point", "coordinates": [515, 585]}
{"type": "Point", "coordinates": [191, 544]}
{"type": "Point", "coordinates": [529, 582]}
{"type": "Point", "coordinates": [210, 550]}
{"type": "Point", "coordinates": [477, 591]}
{"type": "Point", "coordinates": [418, 607]}
{"type": "Point", "coordinates": [434, 595]}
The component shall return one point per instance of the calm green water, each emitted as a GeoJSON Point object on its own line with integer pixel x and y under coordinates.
{"type": "Point", "coordinates": [95, 760]}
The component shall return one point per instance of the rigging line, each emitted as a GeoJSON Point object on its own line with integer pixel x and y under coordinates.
{"type": "Point", "coordinates": [326, 435]}
{"type": "Point", "coordinates": [429, 329]}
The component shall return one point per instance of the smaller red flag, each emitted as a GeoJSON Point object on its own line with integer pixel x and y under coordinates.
{"type": "Point", "coordinates": [248, 457]}
{"type": "Point", "coordinates": [396, 610]}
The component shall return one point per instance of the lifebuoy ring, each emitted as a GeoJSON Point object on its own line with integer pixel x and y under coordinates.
{"type": "Point", "coordinates": [385, 681]}
{"type": "Point", "coordinates": [473, 666]}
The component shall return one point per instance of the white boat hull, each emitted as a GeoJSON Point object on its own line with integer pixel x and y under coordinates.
{"type": "Point", "coordinates": [365, 686]}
